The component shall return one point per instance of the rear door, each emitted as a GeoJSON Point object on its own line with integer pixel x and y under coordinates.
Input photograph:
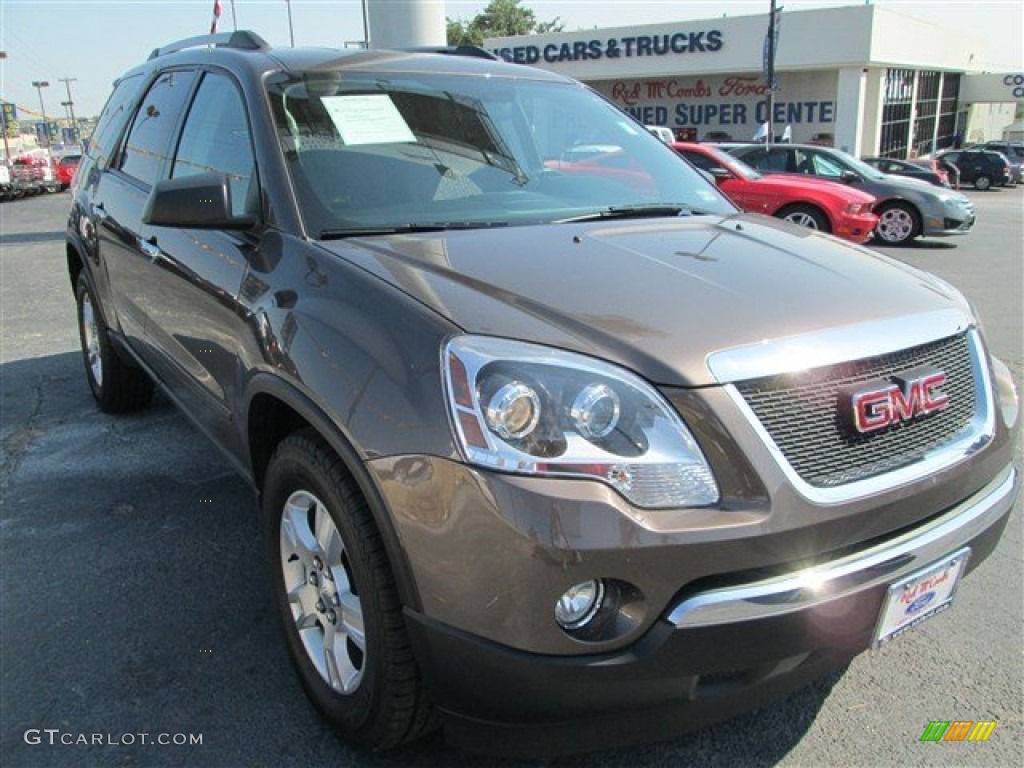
{"type": "Point", "coordinates": [197, 321]}
{"type": "Point", "coordinates": [121, 194]}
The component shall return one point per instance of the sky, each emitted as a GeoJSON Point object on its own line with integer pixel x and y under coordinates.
{"type": "Point", "coordinates": [95, 41]}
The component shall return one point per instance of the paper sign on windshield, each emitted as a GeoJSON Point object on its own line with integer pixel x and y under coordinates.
{"type": "Point", "coordinates": [368, 119]}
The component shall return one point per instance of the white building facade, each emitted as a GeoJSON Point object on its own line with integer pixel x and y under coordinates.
{"type": "Point", "coordinates": [863, 78]}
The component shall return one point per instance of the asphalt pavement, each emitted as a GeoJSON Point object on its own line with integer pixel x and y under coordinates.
{"type": "Point", "coordinates": [135, 599]}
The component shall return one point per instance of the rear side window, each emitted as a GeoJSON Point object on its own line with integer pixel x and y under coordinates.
{"type": "Point", "coordinates": [774, 160]}
{"type": "Point", "coordinates": [216, 139]}
{"type": "Point", "coordinates": [149, 139]}
{"type": "Point", "coordinates": [112, 118]}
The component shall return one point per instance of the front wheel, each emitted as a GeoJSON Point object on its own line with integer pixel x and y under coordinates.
{"type": "Point", "coordinates": [982, 183]}
{"type": "Point", "coordinates": [805, 216]}
{"type": "Point", "coordinates": [898, 224]}
{"type": "Point", "coordinates": [337, 600]}
{"type": "Point", "coordinates": [116, 385]}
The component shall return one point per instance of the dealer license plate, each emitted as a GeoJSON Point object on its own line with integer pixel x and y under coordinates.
{"type": "Point", "coordinates": [919, 597]}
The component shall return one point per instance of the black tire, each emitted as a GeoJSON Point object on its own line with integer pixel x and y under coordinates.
{"type": "Point", "coordinates": [805, 216]}
{"type": "Point", "coordinates": [117, 385]}
{"type": "Point", "coordinates": [898, 223]}
{"type": "Point", "coordinates": [342, 591]}
{"type": "Point", "coordinates": [982, 183]}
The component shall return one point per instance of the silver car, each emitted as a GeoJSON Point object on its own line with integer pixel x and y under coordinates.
{"type": "Point", "coordinates": [906, 208]}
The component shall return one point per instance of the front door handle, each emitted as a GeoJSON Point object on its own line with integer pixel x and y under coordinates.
{"type": "Point", "coordinates": [99, 212]}
{"type": "Point", "coordinates": [149, 247]}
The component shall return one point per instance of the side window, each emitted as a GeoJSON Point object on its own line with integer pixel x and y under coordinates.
{"type": "Point", "coordinates": [774, 161]}
{"type": "Point", "coordinates": [216, 139]}
{"type": "Point", "coordinates": [703, 162]}
{"type": "Point", "coordinates": [112, 119]}
{"type": "Point", "coordinates": [148, 142]}
{"type": "Point", "coordinates": [824, 166]}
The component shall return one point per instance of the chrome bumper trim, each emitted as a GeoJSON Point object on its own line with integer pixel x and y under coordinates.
{"type": "Point", "coordinates": [881, 564]}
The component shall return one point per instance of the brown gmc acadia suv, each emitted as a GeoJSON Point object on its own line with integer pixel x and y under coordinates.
{"type": "Point", "coordinates": [576, 458]}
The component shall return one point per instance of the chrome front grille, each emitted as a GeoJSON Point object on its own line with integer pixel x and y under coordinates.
{"type": "Point", "coordinates": [803, 414]}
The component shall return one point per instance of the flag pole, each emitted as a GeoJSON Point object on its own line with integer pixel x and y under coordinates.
{"type": "Point", "coordinates": [771, 76]}
{"type": "Point", "coordinates": [234, 18]}
{"type": "Point", "coordinates": [291, 30]}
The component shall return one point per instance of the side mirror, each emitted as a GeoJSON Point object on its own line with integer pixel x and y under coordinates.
{"type": "Point", "coordinates": [720, 173]}
{"type": "Point", "coordinates": [194, 202]}
{"type": "Point", "coordinates": [849, 177]}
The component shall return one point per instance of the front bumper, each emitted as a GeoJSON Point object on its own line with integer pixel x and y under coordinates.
{"type": "Point", "coordinates": [953, 218]}
{"type": "Point", "coordinates": [715, 653]}
{"type": "Point", "coordinates": [857, 229]}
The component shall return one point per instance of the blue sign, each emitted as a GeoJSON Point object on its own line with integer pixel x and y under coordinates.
{"type": "Point", "coordinates": [614, 48]}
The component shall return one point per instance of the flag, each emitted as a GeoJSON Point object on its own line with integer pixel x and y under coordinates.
{"type": "Point", "coordinates": [762, 132]}
{"type": "Point", "coordinates": [216, 15]}
{"type": "Point", "coordinates": [787, 135]}
{"type": "Point", "coordinates": [771, 49]}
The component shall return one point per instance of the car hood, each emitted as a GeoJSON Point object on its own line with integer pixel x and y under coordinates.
{"type": "Point", "coordinates": [658, 295]}
{"type": "Point", "coordinates": [809, 185]}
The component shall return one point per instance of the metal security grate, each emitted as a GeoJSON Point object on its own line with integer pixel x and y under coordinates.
{"type": "Point", "coordinates": [801, 412]}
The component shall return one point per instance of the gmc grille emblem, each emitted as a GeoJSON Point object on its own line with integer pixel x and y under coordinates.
{"type": "Point", "coordinates": [879, 404]}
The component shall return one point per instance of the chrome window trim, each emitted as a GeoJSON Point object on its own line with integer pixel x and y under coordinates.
{"type": "Point", "coordinates": [882, 564]}
{"type": "Point", "coordinates": [979, 433]}
{"type": "Point", "coordinates": [837, 345]}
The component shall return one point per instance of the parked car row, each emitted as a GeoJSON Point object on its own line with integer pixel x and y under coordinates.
{"type": "Point", "coordinates": [906, 208]}
{"type": "Point", "coordinates": [36, 173]}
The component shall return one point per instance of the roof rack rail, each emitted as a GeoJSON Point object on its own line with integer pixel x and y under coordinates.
{"type": "Point", "coordinates": [453, 50]}
{"type": "Point", "coordinates": [241, 39]}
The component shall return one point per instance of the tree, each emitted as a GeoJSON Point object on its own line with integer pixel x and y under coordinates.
{"type": "Point", "coordinates": [501, 18]}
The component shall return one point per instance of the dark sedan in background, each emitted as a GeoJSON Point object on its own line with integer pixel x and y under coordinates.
{"type": "Point", "coordinates": [923, 170]}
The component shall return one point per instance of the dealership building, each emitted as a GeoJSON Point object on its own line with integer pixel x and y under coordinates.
{"type": "Point", "coordinates": [863, 78]}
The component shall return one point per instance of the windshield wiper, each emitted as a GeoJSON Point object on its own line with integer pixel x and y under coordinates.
{"type": "Point", "coordinates": [405, 229]}
{"type": "Point", "coordinates": [634, 212]}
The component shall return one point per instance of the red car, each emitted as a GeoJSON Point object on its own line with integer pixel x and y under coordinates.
{"type": "Point", "coordinates": [66, 167]}
{"type": "Point", "coordinates": [822, 205]}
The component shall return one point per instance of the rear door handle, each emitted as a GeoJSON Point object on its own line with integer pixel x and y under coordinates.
{"type": "Point", "coordinates": [149, 247]}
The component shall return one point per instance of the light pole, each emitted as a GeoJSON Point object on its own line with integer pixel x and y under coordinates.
{"type": "Point", "coordinates": [70, 104]}
{"type": "Point", "coordinates": [39, 85]}
{"type": "Point", "coordinates": [3, 123]}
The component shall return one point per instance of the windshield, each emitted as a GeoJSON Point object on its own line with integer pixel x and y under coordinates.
{"type": "Point", "coordinates": [374, 153]}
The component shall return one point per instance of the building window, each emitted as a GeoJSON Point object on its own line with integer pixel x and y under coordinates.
{"type": "Point", "coordinates": [897, 105]}
{"type": "Point", "coordinates": [927, 107]}
{"type": "Point", "coordinates": [948, 105]}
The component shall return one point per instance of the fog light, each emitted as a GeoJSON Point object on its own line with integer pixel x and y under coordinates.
{"type": "Point", "coordinates": [580, 603]}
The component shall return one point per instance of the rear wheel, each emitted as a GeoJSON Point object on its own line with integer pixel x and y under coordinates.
{"type": "Point", "coordinates": [116, 385]}
{"type": "Point", "coordinates": [983, 182]}
{"type": "Point", "coordinates": [898, 224]}
{"type": "Point", "coordinates": [805, 216]}
{"type": "Point", "coordinates": [337, 600]}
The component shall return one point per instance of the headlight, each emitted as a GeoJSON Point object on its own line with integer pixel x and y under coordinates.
{"type": "Point", "coordinates": [856, 209]}
{"type": "Point", "coordinates": [525, 408]}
